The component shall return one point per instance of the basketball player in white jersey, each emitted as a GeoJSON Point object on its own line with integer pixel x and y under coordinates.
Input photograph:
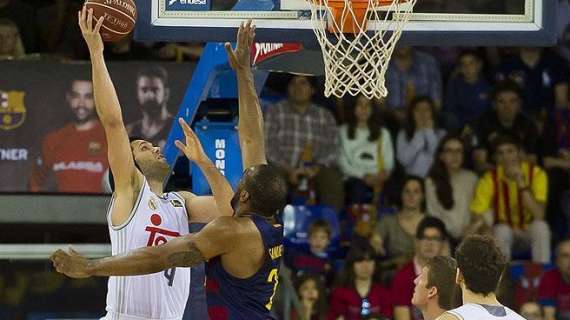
{"type": "Point", "coordinates": [140, 213]}
{"type": "Point", "coordinates": [480, 265]}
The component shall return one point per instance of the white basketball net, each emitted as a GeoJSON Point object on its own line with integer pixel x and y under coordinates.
{"type": "Point", "coordinates": [357, 63]}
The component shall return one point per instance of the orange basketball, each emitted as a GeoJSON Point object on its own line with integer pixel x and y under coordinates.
{"type": "Point", "coordinates": [119, 17]}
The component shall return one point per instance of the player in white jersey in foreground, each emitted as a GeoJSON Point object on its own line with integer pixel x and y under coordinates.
{"type": "Point", "coordinates": [140, 213]}
{"type": "Point", "coordinates": [480, 265]}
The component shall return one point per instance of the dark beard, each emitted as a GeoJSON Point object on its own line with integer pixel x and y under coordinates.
{"type": "Point", "coordinates": [152, 108]}
{"type": "Point", "coordinates": [79, 121]}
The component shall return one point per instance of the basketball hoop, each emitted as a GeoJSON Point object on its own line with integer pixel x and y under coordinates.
{"type": "Point", "coordinates": [357, 38]}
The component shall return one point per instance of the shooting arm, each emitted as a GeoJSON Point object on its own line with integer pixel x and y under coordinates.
{"type": "Point", "coordinates": [108, 109]}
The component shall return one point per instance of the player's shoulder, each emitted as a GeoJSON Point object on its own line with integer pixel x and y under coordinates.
{"type": "Point", "coordinates": [448, 316]}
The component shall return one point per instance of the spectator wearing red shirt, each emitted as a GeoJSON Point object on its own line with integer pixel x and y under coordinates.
{"type": "Point", "coordinates": [554, 288]}
{"type": "Point", "coordinates": [76, 154]}
{"type": "Point", "coordinates": [314, 259]}
{"type": "Point", "coordinates": [430, 242]}
{"type": "Point", "coordinates": [359, 295]}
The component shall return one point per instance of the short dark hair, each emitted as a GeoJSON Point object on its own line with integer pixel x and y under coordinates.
{"type": "Point", "coordinates": [503, 139]}
{"type": "Point", "coordinates": [154, 71]}
{"type": "Point", "coordinates": [80, 76]}
{"type": "Point", "coordinates": [111, 179]}
{"type": "Point", "coordinates": [431, 222]}
{"type": "Point", "coordinates": [469, 52]}
{"type": "Point", "coordinates": [560, 243]}
{"type": "Point", "coordinates": [506, 86]}
{"type": "Point", "coordinates": [267, 189]}
{"type": "Point", "coordinates": [320, 225]}
{"type": "Point", "coordinates": [442, 276]}
{"type": "Point", "coordinates": [481, 263]}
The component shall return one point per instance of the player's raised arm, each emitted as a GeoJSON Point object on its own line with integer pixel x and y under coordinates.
{"type": "Point", "coordinates": [127, 179]}
{"type": "Point", "coordinates": [250, 127]}
{"type": "Point", "coordinates": [216, 238]}
{"type": "Point", "coordinates": [201, 208]}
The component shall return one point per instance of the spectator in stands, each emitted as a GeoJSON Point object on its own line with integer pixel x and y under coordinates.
{"type": "Point", "coordinates": [468, 91]}
{"type": "Point", "coordinates": [76, 154]}
{"type": "Point", "coordinates": [555, 147]}
{"type": "Point", "coordinates": [59, 33]}
{"type": "Point", "coordinates": [531, 311]}
{"type": "Point", "coordinates": [302, 138]}
{"type": "Point", "coordinates": [23, 15]}
{"type": "Point", "coordinates": [358, 294]}
{"type": "Point", "coordinates": [542, 77]}
{"type": "Point", "coordinates": [554, 289]}
{"type": "Point", "coordinates": [11, 46]}
{"type": "Point", "coordinates": [417, 142]}
{"type": "Point", "coordinates": [153, 94]}
{"type": "Point", "coordinates": [450, 187]}
{"type": "Point", "coordinates": [394, 233]}
{"type": "Point", "coordinates": [366, 155]}
{"type": "Point", "coordinates": [412, 73]}
{"type": "Point", "coordinates": [506, 119]}
{"type": "Point", "coordinates": [435, 290]}
{"type": "Point", "coordinates": [314, 259]}
{"type": "Point", "coordinates": [515, 194]}
{"type": "Point", "coordinates": [430, 241]}
{"type": "Point", "coordinates": [564, 29]}
{"type": "Point", "coordinates": [313, 298]}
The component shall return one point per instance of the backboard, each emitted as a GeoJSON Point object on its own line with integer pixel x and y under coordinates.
{"type": "Point", "coordinates": [434, 22]}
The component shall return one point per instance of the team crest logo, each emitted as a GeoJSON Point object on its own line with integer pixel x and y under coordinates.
{"type": "Point", "coordinates": [12, 109]}
{"type": "Point", "coordinates": [94, 147]}
{"type": "Point", "coordinates": [152, 204]}
{"type": "Point", "coordinates": [176, 203]}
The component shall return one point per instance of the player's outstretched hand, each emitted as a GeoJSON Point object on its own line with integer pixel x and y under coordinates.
{"type": "Point", "coordinates": [193, 148]}
{"type": "Point", "coordinates": [89, 31]}
{"type": "Point", "coordinates": [70, 263]}
{"type": "Point", "coordinates": [240, 57]}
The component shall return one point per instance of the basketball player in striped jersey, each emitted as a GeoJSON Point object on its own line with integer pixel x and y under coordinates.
{"type": "Point", "coordinates": [140, 213]}
{"type": "Point", "coordinates": [243, 251]}
{"type": "Point", "coordinates": [480, 265]}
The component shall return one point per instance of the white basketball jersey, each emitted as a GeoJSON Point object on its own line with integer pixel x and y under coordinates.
{"type": "Point", "coordinates": [472, 311]}
{"type": "Point", "coordinates": [162, 295]}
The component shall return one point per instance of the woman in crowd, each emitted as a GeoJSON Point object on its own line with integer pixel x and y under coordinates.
{"type": "Point", "coordinates": [394, 233]}
{"type": "Point", "coordinates": [450, 187]}
{"type": "Point", "coordinates": [358, 294]}
{"type": "Point", "coordinates": [416, 144]}
{"type": "Point", "coordinates": [366, 155]}
{"type": "Point", "coordinates": [312, 295]}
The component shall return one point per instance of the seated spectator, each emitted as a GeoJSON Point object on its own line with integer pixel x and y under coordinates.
{"type": "Point", "coordinates": [468, 91]}
{"type": "Point", "coordinates": [302, 139]}
{"type": "Point", "coordinates": [513, 197]}
{"type": "Point", "coordinates": [312, 296]}
{"type": "Point", "coordinates": [435, 289]}
{"type": "Point", "coordinates": [416, 144]}
{"type": "Point", "coordinates": [555, 147]}
{"type": "Point", "coordinates": [430, 241]}
{"type": "Point", "coordinates": [531, 311]}
{"type": "Point", "coordinates": [412, 73]}
{"type": "Point", "coordinates": [358, 294]}
{"type": "Point", "coordinates": [11, 46]}
{"type": "Point", "coordinates": [366, 155]}
{"type": "Point", "coordinates": [541, 76]}
{"type": "Point", "coordinates": [505, 119]}
{"type": "Point", "coordinates": [314, 259]}
{"type": "Point", "coordinates": [394, 233]}
{"type": "Point", "coordinates": [22, 14]}
{"type": "Point", "coordinates": [554, 289]}
{"type": "Point", "coordinates": [450, 187]}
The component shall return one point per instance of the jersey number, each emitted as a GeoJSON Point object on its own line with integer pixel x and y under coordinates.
{"type": "Point", "coordinates": [273, 277]}
{"type": "Point", "coordinates": [169, 274]}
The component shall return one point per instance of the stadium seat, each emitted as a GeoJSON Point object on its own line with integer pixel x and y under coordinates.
{"type": "Point", "coordinates": [297, 219]}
